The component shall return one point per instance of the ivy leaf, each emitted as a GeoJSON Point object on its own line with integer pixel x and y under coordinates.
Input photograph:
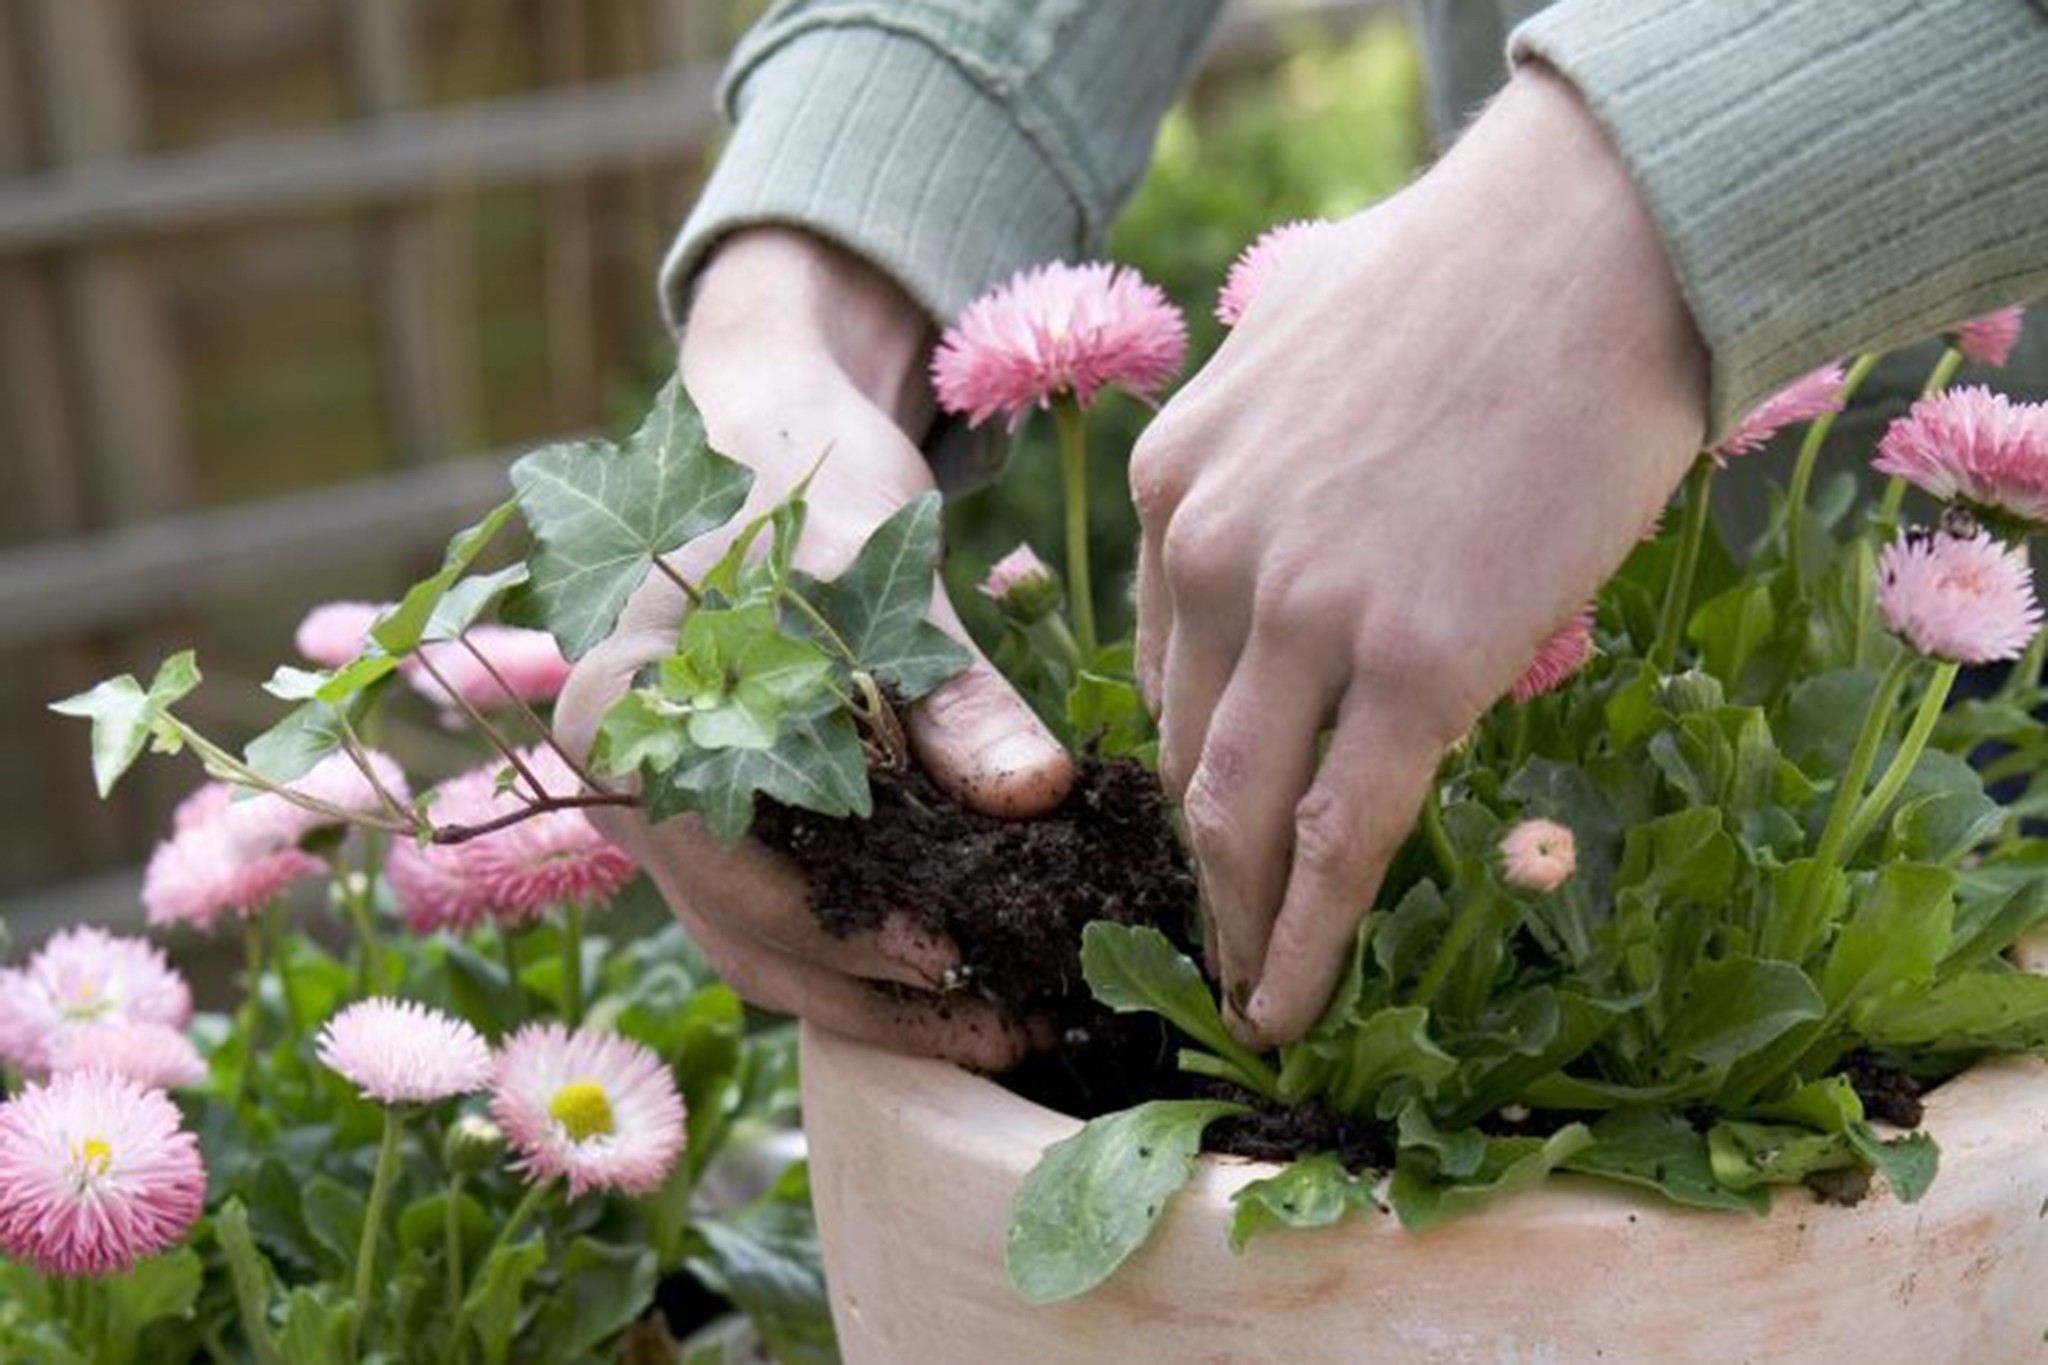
{"type": "Point", "coordinates": [308, 733]}
{"type": "Point", "coordinates": [469, 600]}
{"type": "Point", "coordinates": [398, 631]}
{"type": "Point", "coordinates": [1662, 1152]}
{"type": "Point", "coordinates": [601, 514]}
{"type": "Point", "coordinates": [878, 605]}
{"type": "Point", "coordinates": [1728, 1009]}
{"type": "Point", "coordinates": [817, 764]}
{"type": "Point", "coordinates": [734, 673]}
{"type": "Point", "coordinates": [124, 716]}
{"type": "Point", "coordinates": [1510, 1164]}
{"type": "Point", "coordinates": [635, 733]}
{"type": "Point", "coordinates": [1094, 1198]}
{"type": "Point", "coordinates": [1313, 1192]}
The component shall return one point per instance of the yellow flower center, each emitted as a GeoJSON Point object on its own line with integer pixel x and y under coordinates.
{"type": "Point", "coordinates": [582, 1110]}
{"type": "Point", "coordinates": [88, 1000]}
{"type": "Point", "coordinates": [93, 1158]}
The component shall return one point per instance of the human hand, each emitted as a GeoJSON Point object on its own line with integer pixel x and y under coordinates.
{"type": "Point", "coordinates": [794, 348]}
{"type": "Point", "coordinates": [1435, 433]}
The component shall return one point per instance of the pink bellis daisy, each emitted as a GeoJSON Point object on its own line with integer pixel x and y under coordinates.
{"type": "Point", "coordinates": [597, 1109]}
{"type": "Point", "coordinates": [335, 632]}
{"type": "Point", "coordinates": [82, 977]}
{"type": "Point", "coordinates": [1800, 401]}
{"type": "Point", "coordinates": [1055, 331]}
{"type": "Point", "coordinates": [1974, 445]}
{"type": "Point", "coordinates": [1988, 341]}
{"type": "Point", "coordinates": [155, 1055]}
{"type": "Point", "coordinates": [1538, 856]}
{"type": "Point", "coordinates": [401, 1052]}
{"type": "Point", "coordinates": [1557, 658]}
{"type": "Point", "coordinates": [434, 884]}
{"type": "Point", "coordinates": [96, 1173]}
{"type": "Point", "coordinates": [528, 662]}
{"type": "Point", "coordinates": [1969, 601]}
{"type": "Point", "coordinates": [221, 858]}
{"type": "Point", "coordinates": [1251, 270]}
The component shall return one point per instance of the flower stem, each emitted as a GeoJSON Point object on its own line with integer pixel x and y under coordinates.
{"type": "Point", "coordinates": [1478, 904]}
{"type": "Point", "coordinates": [1056, 644]}
{"type": "Point", "coordinates": [572, 963]}
{"type": "Point", "coordinates": [1908, 754]}
{"type": "Point", "coordinates": [373, 1219]}
{"type": "Point", "coordinates": [1841, 813]}
{"type": "Point", "coordinates": [452, 1227]}
{"type": "Point", "coordinates": [1802, 472]}
{"type": "Point", "coordinates": [252, 1004]}
{"type": "Point", "coordinates": [1678, 594]}
{"type": "Point", "coordinates": [1439, 839]}
{"type": "Point", "coordinates": [1073, 438]}
{"type": "Point", "coordinates": [1895, 492]}
{"type": "Point", "coordinates": [273, 923]}
{"type": "Point", "coordinates": [508, 1231]}
{"type": "Point", "coordinates": [358, 896]}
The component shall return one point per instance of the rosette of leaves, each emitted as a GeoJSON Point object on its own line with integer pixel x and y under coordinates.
{"type": "Point", "coordinates": [1678, 1015]}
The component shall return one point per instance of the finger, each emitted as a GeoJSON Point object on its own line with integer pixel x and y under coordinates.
{"type": "Point", "coordinates": [959, 1028]}
{"type": "Point", "coordinates": [982, 742]}
{"type": "Point", "coordinates": [1199, 661]}
{"type": "Point", "coordinates": [1347, 828]}
{"type": "Point", "coordinates": [1155, 622]}
{"type": "Point", "coordinates": [1256, 764]}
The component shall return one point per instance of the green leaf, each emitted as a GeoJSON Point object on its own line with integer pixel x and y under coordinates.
{"type": "Point", "coordinates": [1749, 1156]}
{"type": "Point", "coordinates": [766, 1262]}
{"type": "Point", "coordinates": [1728, 1009]}
{"type": "Point", "coordinates": [637, 732]}
{"type": "Point", "coordinates": [1389, 1045]}
{"type": "Point", "coordinates": [1510, 1165]}
{"type": "Point", "coordinates": [1313, 1192]}
{"type": "Point", "coordinates": [1729, 629]}
{"type": "Point", "coordinates": [1992, 1009]}
{"type": "Point", "coordinates": [602, 513]}
{"type": "Point", "coordinates": [1989, 922]}
{"type": "Point", "coordinates": [423, 1225]}
{"type": "Point", "coordinates": [334, 1216]}
{"type": "Point", "coordinates": [878, 605]}
{"type": "Point", "coordinates": [466, 603]}
{"type": "Point", "coordinates": [1135, 967]}
{"type": "Point", "coordinates": [1942, 813]}
{"type": "Point", "coordinates": [816, 764]}
{"type": "Point", "coordinates": [165, 1286]}
{"type": "Point", "coordinates": [1662, 1152]}
{"type": "Point", "coordinates": [492, 1305]}
{"type": "Point", "coordinates": [1686, 856]}
{"type": "Point", "coordinates": [398, 632]}
{"type": "Point", "coordinates": [1093, 1198]}
{"type": "Point", "coordinates": [1108, 714]}
{"type": "Point", "coordinates": [308, 733]}
{"type": "Point", "coordinates": [124, 716]}
{"type": "Point", "coordinates": [1908, 1164]}
{"type": "Point", "coordinates": [602, 1289]}
{"type": "Point", "coordinates": [250, 1274]}
{"type": "Point", "coordinates": [317, 1324]}
{"type": "Point", "coordinates": [1897, 930]}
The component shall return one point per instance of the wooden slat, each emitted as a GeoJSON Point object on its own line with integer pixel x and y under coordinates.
{"type": "Point", "coordinates": [568, 247]}
{"type": "Point", "coordinates": [527, 139]}
{"type": "Point", "coordinates": [125, 576]}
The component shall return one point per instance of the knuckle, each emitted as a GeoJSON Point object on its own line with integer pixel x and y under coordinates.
{"type": "Point", "coordinates": [1158, 472]}
{"type": "Point", "coordinates": [1326, 832]}
{"type": "Point", "coordinates": [1192, 553]}
{"type": "Point", "coordinates": [1211, 824]}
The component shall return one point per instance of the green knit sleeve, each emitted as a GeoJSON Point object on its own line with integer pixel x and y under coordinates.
{"type": "Point", "coordinates": [950, 142]}
{"type": "Point", "coordinates": [1827, 176]}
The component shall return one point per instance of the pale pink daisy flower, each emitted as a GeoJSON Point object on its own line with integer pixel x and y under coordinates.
{"type": "Point", "coordinates": [155, 1055]}
{"type": "Point", "coordinates": [1557, 658]}
{"type": "Point", "coordinates": [1800, 401]}
{"type": "Point", "coordinates": [85, 976]}
{"type": "Point", "coordinates": [401, 1052]}
{"type": "Point", "coordinates": [335, 632]}
{"type": "Point", "coordinates": [595, 1108]}
{"type": "Point", "coordinates": [434, 883]}
{"type": "Point", "coordinates": [1251, 270]}
{"type": "Point", "coordinates": [96, 1173]}
{"type": "Point", "coordinates": [221, 860]}
{"type": "Point", "coordinates": [529, 662]}
{"type": "Point", "coordinates": [1974, 445]}
{"type": "Point", "coordinates": [1538, 856]}
{"type": "Point", "coordinates": [1970, 601]}
{"type": "Point", "coordinates": [269, 820]}
{"type": "Point", "coordinates": [1058, 330]}
{"type": "Point", "coordinates": [1988, 341]}
{"type": "Point", "coordinates": [547, 861]}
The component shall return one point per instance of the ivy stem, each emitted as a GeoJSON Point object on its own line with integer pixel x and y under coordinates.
{"type": "Point", "coordinates": [1678, 593]}
{"type": "Point", "coordinates": [373, 1219]}
{"type": "Point", "coordinates": [1073, 439]}
{"type": "Point", "coordinates": [1802, 472]}
{"type": "Point", "coordinates": [1895, 491]}
{"type": "Point", "coordinates": [823, 627]}
{"type": "Point", "coordinates": [572, 963]}
{"type": "Point", "coordinates": [222, 764]}
{"type": "Point", "coordinates": [352, 745]}
{"type": "Point", "coordinates": [1841, 812]}
{"type": "Point", "coordinates": [528, 714]}
{"type": "Point", "coordinates": [1901, 767]}
{"type": "Point", "coordinates": [483, 725]}
{"type": "Point", "coordinates": [462, 834]}
{"type": "Point", "coordinates": [695, 598]}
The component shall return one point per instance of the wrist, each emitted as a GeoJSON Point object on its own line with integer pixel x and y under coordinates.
{"type": "Point", "coordinates": [783, 302]}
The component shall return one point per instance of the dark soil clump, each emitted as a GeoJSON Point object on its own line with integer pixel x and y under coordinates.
{"type": "Point", "coordinates": [1273, 1133]}
{"type": "Point", "coordinates": [1014, 895]}
{"type": "Point", "coordinates": [1888, 1093]}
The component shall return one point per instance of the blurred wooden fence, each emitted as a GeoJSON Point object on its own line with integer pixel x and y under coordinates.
{"type": "Point", "coordinates": [273, 274]}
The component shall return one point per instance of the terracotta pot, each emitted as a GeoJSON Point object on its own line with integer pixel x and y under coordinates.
{"type": "Point", "coordinates": [915, 1164]}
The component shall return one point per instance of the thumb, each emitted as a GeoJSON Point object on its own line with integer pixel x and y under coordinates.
{"type": "Point", "coordinates": [982, 742]}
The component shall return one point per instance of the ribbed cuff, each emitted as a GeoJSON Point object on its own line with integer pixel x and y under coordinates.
{"type": "Point", "coordinates": [1827, 176]}
{"type": "Point", "coordinates": [877, 141]}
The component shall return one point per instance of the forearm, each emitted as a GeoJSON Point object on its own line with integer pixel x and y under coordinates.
{"type": "Point", "coordinates": [1827, 177]}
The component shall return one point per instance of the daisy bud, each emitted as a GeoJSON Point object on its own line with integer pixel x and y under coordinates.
{"type": "Point", "coordinates": [473, 1145]}
{"type": "Point", "coordinates": [1538, 856]}
{"type": "Point", "coordinates": [1024, 586]}
{"type": "Point", "coordinates": [1691, 691]}
{"type": "Point", "coordinates": [1967, 601]}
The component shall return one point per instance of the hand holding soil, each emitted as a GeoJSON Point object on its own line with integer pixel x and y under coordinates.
{"type": "Point", "coordinates": [795, 352]}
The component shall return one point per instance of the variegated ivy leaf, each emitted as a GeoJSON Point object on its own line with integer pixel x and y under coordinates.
{"type": "Point", "coordinates": [817, 764]}
{"type": "Point", "coordinates": [125, 715]}
{"type": "Point", "coordinates": [399, 631]}
{"type": "Point", "coordinates": [602, 513]}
